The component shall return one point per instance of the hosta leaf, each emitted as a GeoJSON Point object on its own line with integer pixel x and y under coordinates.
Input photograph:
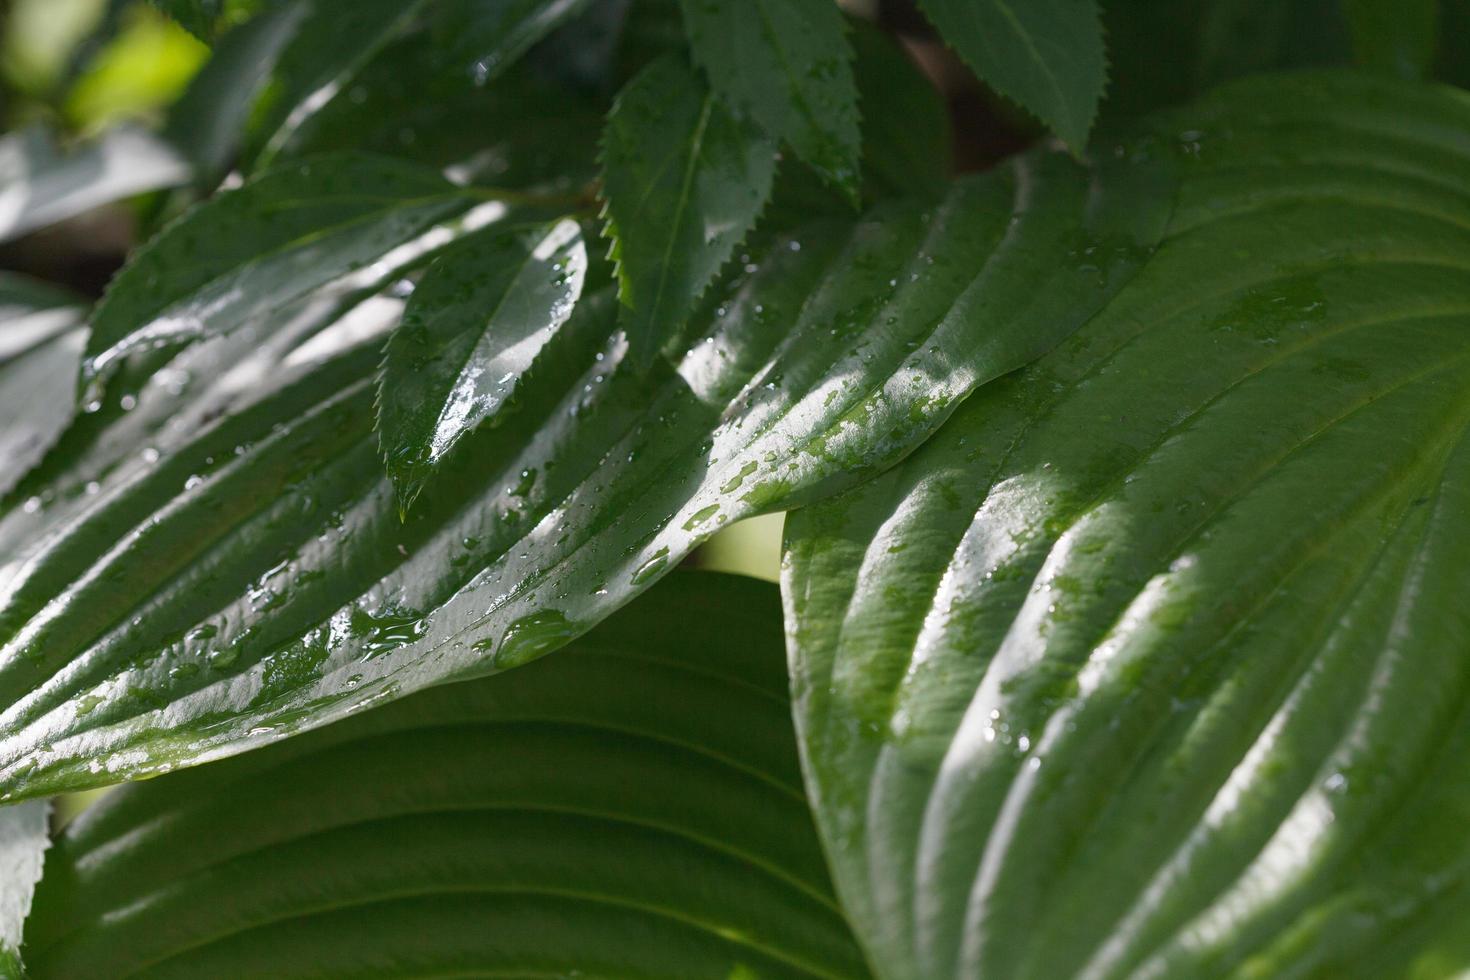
{"type": "Point", "coordinates": [684, 182]}
{"type": "Point", "coordinates": [1047, 55]}
{"type": "Point", "coordinates": [631, 808]}
{"type": "Point", "coordinates": [474, 326]}
{"type": "Point", "coordinates": [40, 350]}
{"type": "Point", "coordinates": [251, 252]}
{"type": "Point", "coordinates": [223, 564]}
{"type": "Point", "coordinates": [1155, 662]}
{"type": "Point", "coordinates": [788, 65]}
{"type": "Point", "coordinates": [41, 185]}
{"type": "Point", "coordinates": [24, 837]}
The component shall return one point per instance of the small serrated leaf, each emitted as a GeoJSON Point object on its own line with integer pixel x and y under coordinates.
{"type": "Point", "coordinates": [473, 326]}
{"type": "Point", "coordinates": [1047, 55]}
{"type": "Point", "coordinates": [788, 65]}
{"type": "Point", "coordinates": [684, 181]}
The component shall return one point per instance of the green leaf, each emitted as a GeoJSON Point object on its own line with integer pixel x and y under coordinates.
{"type": "Point", "coordinates": [40, 350]}
{"type": "Point", "coordinates": [208, 122]}
{"type": "Point", "coordinates": [1396, 36]}
{"type": "Point", "coordinates": [412, 100]}
{"type": "Point", "coordinates": [684, 182]}
{"type": "Point", "coordinates": [1047, 55]}
{"type": "Point", "coordinates": [24, 837]}
{"type": "Point", "coordinates": [482, 315]}
{"type": "Point", "coordinates": [1153, 662]}
{"type": "Point", "coordinates": [787, 65]}
{"type": "Point", "coordinates": [239, 571]}
{"type": "Point", "coordinates": [332, 44]}
{"type": "Point", "coordinates": [41, 185]}
{"type": "Point", "coordinates": [494, 34]}
{"type": "Point", "coordinates": [631, 808]}
{"type": "Point", "coordinates": [249, 253]}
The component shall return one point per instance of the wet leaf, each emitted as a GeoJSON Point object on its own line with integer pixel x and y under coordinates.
{"type": "Point", "coordinates": [629, 808]}
{"type": "Point", "coordinates": [1155, 662]}
{"type": "Point", "coordinates": [249, 253]}
{"type": "Point", "coordinates": [684, 182]}
{"type": "Point", "coordinates": [787, 64]}
{"type": "Point", "coordinates": [475, 325]}
{"type": "Point", "coordinates": [223, 564]}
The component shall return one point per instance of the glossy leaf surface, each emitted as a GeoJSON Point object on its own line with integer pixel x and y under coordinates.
{"type": "Point", "coordinates": [333, 43]}
{"type": "Point", "coordinates": [223, 564]}
{"type": "Point", "coordinates": [1047, 55]}
{"type": "Point", "coordinates": [786, 64]}
{"type": "Point", "coordinates": [684, 181]}
{"type": "Point", "coordinates": [495, 33]}
{"type": "Point", "coordinates": [24, 837]}
{"type": "Point", "coordinates": [631, 808]}
{"type": "Point", "coordinates": [475, 325]}
{"type": "Point", "coordinates": [249, 253]}
{"type": "Point", "coordinates": [1155, 661]}
{"type": "Point", "coordinates": [40, 351]}
{"type": "Point", "coordinates": [40, 184]}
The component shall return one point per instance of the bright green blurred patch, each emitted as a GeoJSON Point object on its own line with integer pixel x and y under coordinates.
{"type": "Point", "coordinates": [145, 68]}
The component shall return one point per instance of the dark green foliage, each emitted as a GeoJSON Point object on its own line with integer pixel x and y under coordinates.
{"type": "Point", "coordinates": [1128, 490]}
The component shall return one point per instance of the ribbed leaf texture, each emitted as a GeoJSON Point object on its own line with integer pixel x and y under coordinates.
{"type": "Point", "coordinates": [214, 558]}
{"type": "Point", "coordinates": [1155, 662]}
{"type": "Point", "coordinates": [631, 808]}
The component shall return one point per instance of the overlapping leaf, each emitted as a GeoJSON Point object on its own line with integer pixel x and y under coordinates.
{"type": "Point", "coordinates": [222, 563]}
{"type": "Point", "coordinates": [788, 65]}
{"type": "Point", "coordinates": [1047, 55]}
{"type": "Point", "coordinates": [684, 181]}
{"type": "Point", "coordinates": [474, 326]}
{"type": "Point", "coordinates": [249, 253]}
{"type": "Point", "coordinates": [1155, 661]}
{"type": "Point", "coordinates": [631, 808]}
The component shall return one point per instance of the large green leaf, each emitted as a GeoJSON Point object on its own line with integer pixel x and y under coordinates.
{"type": "Point", "coordinates": [1155, 661]}
{"type": "Point", "coordinates": [249, 253]}
{"type": "Point", "coordinates": [1047, 55]}
{"type": "Point", "coordinates": [40, 184]}
{"type": "Point", "coordinates": [223, 563]}
{"type": "Point", "coordinates": [24, 837]}
{"type": "Point", "coordinates": [787, 64]}
{"type": "Point", "coordinates": [684, 181]}
{"type": "Point", "coordinates": [632, 808]}
{"type": "Point", "coordinates": [475, 325]}
{"type": "Point", "coordinates": [40, 350]}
